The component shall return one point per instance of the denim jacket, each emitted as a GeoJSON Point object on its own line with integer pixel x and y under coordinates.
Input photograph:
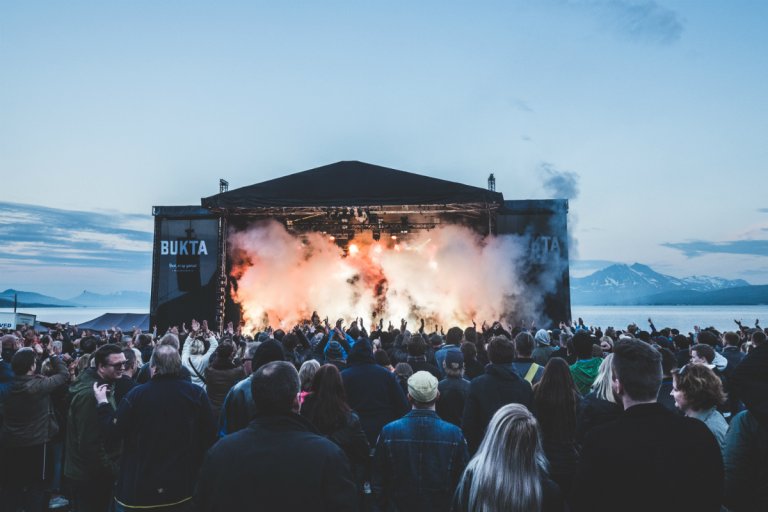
{"type": "Point", "coordinates": [419, 460]}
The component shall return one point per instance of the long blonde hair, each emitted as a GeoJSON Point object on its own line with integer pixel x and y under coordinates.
{"type": "Point", "coordinates": [602, 385]}
{"type": "Point", "coordinates": [506, 472]}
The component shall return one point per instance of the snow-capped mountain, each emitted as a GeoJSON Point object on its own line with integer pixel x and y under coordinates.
{"type": "Point", "coordinates": [629, 283]}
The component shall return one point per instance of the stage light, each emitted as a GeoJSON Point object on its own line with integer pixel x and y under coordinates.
{"type": "Point", "coordinates": [353, 249]}
{"type": "Point", "coordinates": [331, 238]}
{"type": "Point", "coordinates": [393, 237]}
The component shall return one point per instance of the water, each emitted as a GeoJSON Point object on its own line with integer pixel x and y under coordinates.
{"type": "Point", "coordinates": [73, 315]}
{"type": "Point", "coordinates": [680, 317]}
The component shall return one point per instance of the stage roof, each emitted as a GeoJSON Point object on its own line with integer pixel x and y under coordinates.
{"type": "Point", "coordinates": [350, 183]}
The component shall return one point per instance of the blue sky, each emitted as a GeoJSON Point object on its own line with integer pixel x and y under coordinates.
{"type": "Point", "coordinates": [656, 109]}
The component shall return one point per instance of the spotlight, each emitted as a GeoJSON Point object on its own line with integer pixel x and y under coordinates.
{"type": "Point", "coordinates": [393, 237]}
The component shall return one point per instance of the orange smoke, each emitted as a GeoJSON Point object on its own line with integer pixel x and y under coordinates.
{"type": "Point", "coordinates": [447, 276]}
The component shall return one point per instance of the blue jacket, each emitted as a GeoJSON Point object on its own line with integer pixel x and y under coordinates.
{"type": "Point", "coordinates": [419, 461]}
{"type": "Point", "coordinates": [167, 426]}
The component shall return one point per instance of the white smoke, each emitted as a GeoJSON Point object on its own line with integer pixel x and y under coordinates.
{"type": "Point", "coordinates": [448, 276]}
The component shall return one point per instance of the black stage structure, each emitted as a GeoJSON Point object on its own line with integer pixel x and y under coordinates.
{"type": "Point", "coordinates": [191, 264]}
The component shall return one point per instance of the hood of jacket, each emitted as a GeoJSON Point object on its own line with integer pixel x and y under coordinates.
{"type": "Point", "coordinates": [584, 373]}
{"type": "Point", "coordinates": [361, 353]}
{"type": "Point", "coordinates": [84, 381]}
{"type": "Point", "coordinates": [542, 338]}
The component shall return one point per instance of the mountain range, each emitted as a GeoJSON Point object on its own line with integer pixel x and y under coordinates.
{"type": "Point", "coordinates": [639, 284]}
{"type": "Point", "coordinates": [126, 299]}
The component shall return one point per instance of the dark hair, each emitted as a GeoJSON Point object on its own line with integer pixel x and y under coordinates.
{"type": "Point", "coordinates": [555, 398]}
{"type": "Point", "coordinates": [643, 336]}
{"type": "Point", "coordinates": [102, 353]}
{"type": "Point", "coordinates": [702, 388]}
{"type": "Point", "coordinates": [501, 350]}
{"type": "Point", "coordinates": [470, 334]}
{"type": "Point", "coordinates": [144, 340]}
{"type": "Point", "coordinates": [582, 345]}
{"type": "Point", "coordinates": [524, 344]}
{"type": "Point", "coordinates": [330, 408]}
{"type": "Point", "coordinates": [707, 337]}
{"type": "Point", "coordinates": [382, 358]}
{"type": "Point", "coordinates": [758, 337]}
{"type": "Point", "coordinates": [222, 356]}
{"type": "Point", "coordinates": [637, 366]}
{"type": "Point", "coordinates": [290, 341]}
{"type": "Point", "coordinates": [417, 346]}
{"type": "Point", "coordinates": [274, 387]}
{"type": "Point", "coordinates": [130, 357]}
{"type": "Point", "coordinates": [454, 335]}
{"type": "Point", "coordinates": [469, 350]}
{"type": "Point", "coordinates": [705, 351]}
{"type": "Point", "coordinates": [731, 338]}
{"type": "Point", "coordinates": [681, 342]}
{"type": "Point", "coordinates": [668, 360]}
{"type": "Point", "coordinates": [22, 361]}
{"type": "Point", "coordinates": [88, 345]}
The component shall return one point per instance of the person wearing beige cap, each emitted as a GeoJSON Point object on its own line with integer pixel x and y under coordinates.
{"type": "Point", "coordinates": [419, 458]}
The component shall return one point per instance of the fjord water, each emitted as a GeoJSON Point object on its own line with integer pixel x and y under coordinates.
{"type": "Point", "coordinates": [680, 317]}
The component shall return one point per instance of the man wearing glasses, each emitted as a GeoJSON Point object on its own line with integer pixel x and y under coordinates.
{"type": "Point", "coordinates": [90, 462]}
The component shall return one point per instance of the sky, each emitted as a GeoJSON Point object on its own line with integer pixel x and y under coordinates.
{"type": "Point", "coordinates": [654, 115]}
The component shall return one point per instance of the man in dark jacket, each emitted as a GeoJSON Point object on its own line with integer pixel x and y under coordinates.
{"type": "Point", "coordinates": [500, 385]}
{"type": "Point", "coordinates": [29, 424]}
{"type": "Point", "coordinates": [746, 449]}
{"type": "Point", "coordinates": [372, 391]}
{"type": "Point", "coordinates": [238, 409]}
{"type": "Point", "coordinates": [631, 456]}
{"type": "Point", "coordinates": [166, 426]}
{"type": "Point", "coordinates": [279, 462]}
{"type": "Point", "coordinates": [454, 388]}
{"type": "Point", "coordinates": [91, 463]}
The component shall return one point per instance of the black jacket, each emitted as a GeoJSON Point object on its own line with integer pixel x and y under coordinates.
{"type": "Point", "coordinates": [453, 395]}
{"type": "Point", "coordinates": [167, 426]}
{"type": "Point", "coordinates": [499, 386]}
{"type": "Point", "coordinates": [278, 463]}
{"type": "Point", "coordinates": [631, 459]}
{"type": "Point", "coordinates": [372, 391]}
{"type": "Point", "coordinates": [594, 411]}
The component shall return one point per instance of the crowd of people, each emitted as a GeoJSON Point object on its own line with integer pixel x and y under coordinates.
{"type": "Point", "coordinates": [333, 417]}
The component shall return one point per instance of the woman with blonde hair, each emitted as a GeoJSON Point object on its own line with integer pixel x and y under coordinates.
{"type": "Point", "coordinates": [599, 405]}
{"type": "Point", "coordinates": [306, 375]}
{"type": "Point", "coordinates": [509, 470]}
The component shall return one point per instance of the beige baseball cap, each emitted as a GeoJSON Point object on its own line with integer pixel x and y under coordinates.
{"type": "Point", "coordinates": [422, 386]}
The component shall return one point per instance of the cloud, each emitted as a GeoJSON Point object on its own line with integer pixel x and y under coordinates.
{"type": "Point", "coordinates": [700, 247]}
{"type": "Point", "coordinates": [763, 210]}
{"type": "Point", "coordinates": [642, 21]}
{"type": "Point", "coordinates": [561, 184]}
{"type": "Point", "coordinates": [34, 236]}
